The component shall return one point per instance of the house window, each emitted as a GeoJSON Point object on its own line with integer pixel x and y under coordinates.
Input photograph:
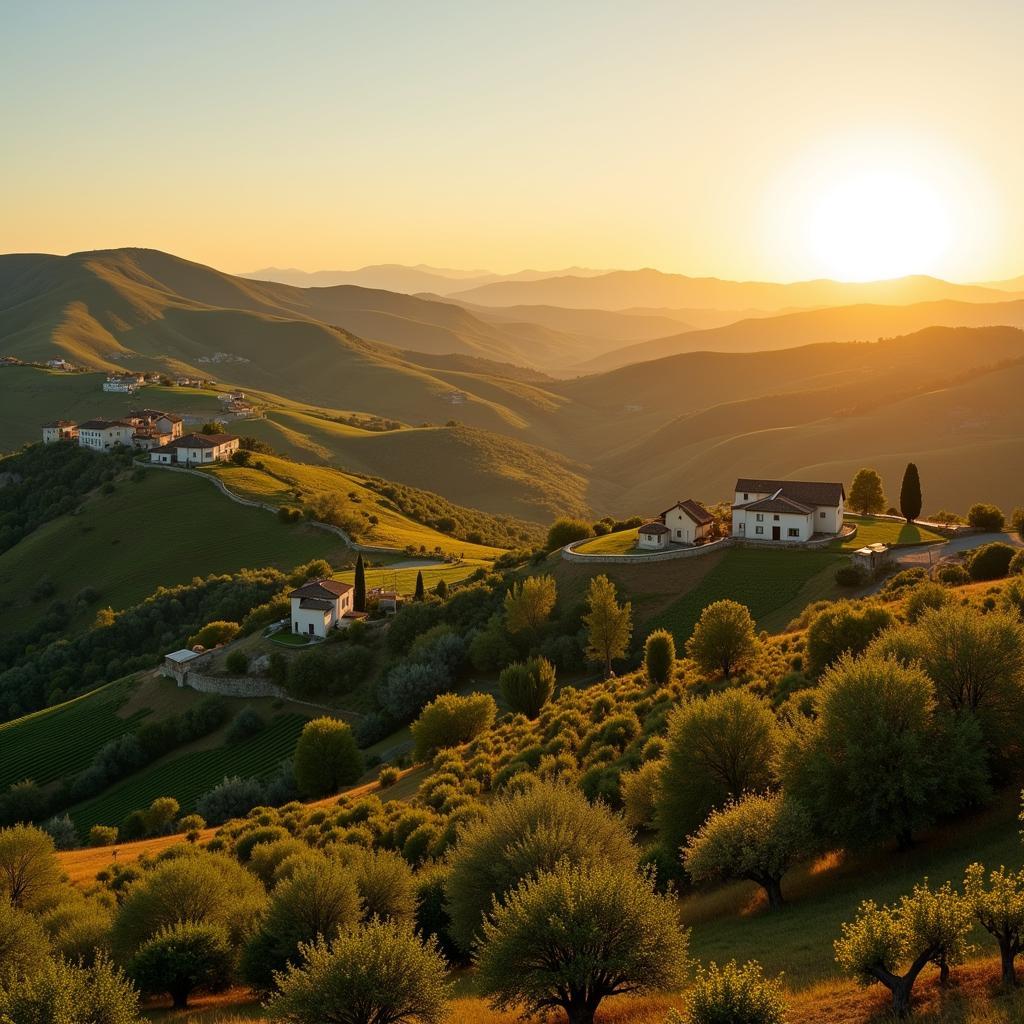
{"type": "Point", "coordinates": [759, 517]}
{"type": "Point", "coordinates": [776, 518]}
{"type": "Point", "coordinates": [746, 497]}
{"type": "Point", "coordinates": [821, 515]}
{"type": "Point", "coordinates": [794, 531]}
{"type": "Point", "coordinates": [679, 533]}
{"type": "Point", "coordinates": [758, 529]}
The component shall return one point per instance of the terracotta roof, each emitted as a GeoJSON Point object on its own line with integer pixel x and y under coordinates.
{"type": "Point", "coordinates": [203, 440]}
{"type": "Point", "coordinates": [155, 414]}
{"type": "Point", "coordinates": [805, 491]}
{"type": "Point", "coordinates": [777, 503]}
{"type": "Point", "coordinates": [103, 424]}
{"type": "Point", "coordinates": [655, 528]}
{"type": "Point", "coordinates": [326, 589]}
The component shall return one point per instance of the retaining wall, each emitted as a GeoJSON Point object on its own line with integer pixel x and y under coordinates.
{"type": "Point", "coordinates": [571, 555]}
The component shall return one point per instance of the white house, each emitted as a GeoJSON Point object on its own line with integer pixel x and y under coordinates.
{"type": "Point", "coordinates": [320, 605]}
{"type": "Point", "coordinates": [686, 522]}
{"type": "Point", "coordinates": [102, 435]}
{"type": "Point", "coordinates": [126, 383]}
{"type": "Point", "coordinates": [787, 511]}
{"type": "Point", "coordinates": [59, 430]}
{"type": "Point", "coordinates": [196, 449]}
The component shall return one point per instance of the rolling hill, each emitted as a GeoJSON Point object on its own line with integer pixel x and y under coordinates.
{"type": "Point", "coordinates": [623, 289]}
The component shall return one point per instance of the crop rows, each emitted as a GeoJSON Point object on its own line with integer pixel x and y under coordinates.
{"type": "Point", "coordinates": [188, 777]}
{"type": "Point", "coordinates": [63, 740]}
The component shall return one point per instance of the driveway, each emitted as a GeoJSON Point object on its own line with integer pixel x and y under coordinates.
{"type": "Point", "coordinates": [932, 553]}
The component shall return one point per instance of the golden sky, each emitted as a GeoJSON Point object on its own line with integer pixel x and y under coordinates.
{"type": "Point", "coordinates": [779, 141]}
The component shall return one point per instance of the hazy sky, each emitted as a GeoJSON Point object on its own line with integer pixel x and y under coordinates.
{"type": "Point", "coordinates": [775, 140]}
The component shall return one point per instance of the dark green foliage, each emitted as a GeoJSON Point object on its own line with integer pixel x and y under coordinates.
{"type": "Point", "coordinates": [734, 995]}
{"type": "Point", "coordinates": [528, 686]}
{"type": "Point", "coordinates": [850, 576]}
{"type": "Point", "coordinates": [23, 944]}
{"type": "Point", "coordinates": [432, 921]}
{"type": "Point", "coordinates": [237, 663]}
{"type": "Point", "coordinates": [359, 585]}
{"type": "Point", "coordinates": [659, 657]}
{"type": "Point", "coordinates": [248, 722]}
{"type": "Point", "coordinates": [986, 517]}
{"type": "Point", "coordinates": [1016, 566]}
{"type": "Point", "coordinates": [991, 561]}
{"type": "Point", "coordinates": [419, 593]}
{"type": "Point", "coordinates": [182, 958]}
{"type": "Point", "coordinates": [450, 720]}
{"type": "Point", "coordinates": [565, 530]}
{"type": "Point", "coordinates": [326, 757]}
{"type": "Point", "coordinates": [603, 930]}
{"type": "Point", "coordinates": [723, 639]}
{"type": "Point", "coordinates": [329, 671]}
{"type": "Point", "coordinates": [522, 835]}
{"type": "Point", "coordinates": [718, 748]}
{"type": "Point", "coordinates": [910, 493]}
{"type": "Point", "coordinates": [953, 575]}
{"type": "Point", "coordinates": [843, 628]}
{"type": "Point", "coordinates": [230, 799]}
{"type": "Point", "coordinates": [866, 494]}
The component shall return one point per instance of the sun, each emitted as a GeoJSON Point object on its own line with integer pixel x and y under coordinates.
{"type": "Point", "coordinates": [878, 223]}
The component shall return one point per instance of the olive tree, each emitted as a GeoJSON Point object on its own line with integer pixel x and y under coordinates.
{"type": "Point", "coordinates": [521, 835]}
{"type": "Point", "coordinates": [378, 973]}
{"type": "Point", "coordinates": [757, 838]}
{"type": "Point", "coordinates": [843, 627]}
{"type": "Point", "coordinates": [326, 757]}
{"type": "Point", "coordinates": [892, 945]}
{"type": "Point", "coordinates": [528, 605]}
{"type": "Point", "coordinates": [574, 936]}
{"type": "Point", "coordinates": [449, 720]}
{"type": "Point", "coordinates": [182, 958]}
{"type": "Point", "coordinates": [29, 871]}
{"type": "Point", "coordinates": [717, 749]}
{"type": "Point", "coordinates": [723, 639]}
{"type": "Point", "coordinates": [998, 907]}
{"type": "Point", "coordinates": [23, 944]}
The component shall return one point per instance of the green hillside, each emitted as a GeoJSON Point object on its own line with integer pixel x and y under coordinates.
{"type": "Point", "coordinates": [163, 529]}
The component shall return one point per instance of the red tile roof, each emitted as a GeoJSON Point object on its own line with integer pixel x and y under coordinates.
{"type": "Point", "coordinates": [694, 509]}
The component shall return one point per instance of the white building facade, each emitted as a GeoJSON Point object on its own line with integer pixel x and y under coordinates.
{"type": "Point", "coordinates": [787, 511]}
{"type": "Point", "coordinates": [102, 435]}
{"type": "Point", "coordinates": [196, 450]}
{"type": "Point", "coordinates": [320, 605]}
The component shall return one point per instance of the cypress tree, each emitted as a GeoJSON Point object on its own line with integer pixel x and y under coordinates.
{"type": "Point", "coordinates": [910, 493]}
{"type": "Point", "coordinates": [420, 593]}
{"type": "Point", "coordinates": [359, 597]}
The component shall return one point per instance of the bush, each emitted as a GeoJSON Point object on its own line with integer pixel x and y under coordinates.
{"type": "Point", "coordinates": [62, 831]}
{"type": "Point", "coordinates": [182, 958]}
{"type": "Point", "coordinates": [723, 639]}
{"type": "Point", "coordinates": [377, 974]}
{"type": "Point", "coordinates": [842, 628]}
{"type": "Point", "coordinates": [986, 517]}
{"type": "Point", "coordinates": [566, 530]}
{"type": "Point", "coordinates": [102, 835]}
{"type": "Point", "coordinates": [214, 633]}
{"type": "Point", "coordinates": [248, 722]}
{"type": "Point", "coordinates": [1016, 567]}
{"type": "Point", "coordinates": [23, 945]}
{"type": "Point", "coordinates": [326, 757]}
{"type": "Point", "coordinates": [237, 663]}
{"type": "Point", "coordinates": [850, 576]}
{"type": "Point", "coordinates": [926, 597]}
{"type": "Point", "coordinates": [520, 836]}
{"type": "Point", "coordinates": [953, 575]}
{"type": "Point", "coordinates": [991, 561]}
{"type": "Point", "coordinates": [528, 686]}
{"type": "Point", "coordinates": [385, 885]}
{"type": "Point", "coordinates": [231, 798]}
{"type": "Point", "coordinates": [450, 720]}
{"type": "Point", "coordinates": [659, 657]}
{"type": "Point", "coordinates": [603, 931]}
{"type": "Point", "coordinates": [388, 775]}
{"type": "Point", "coordinates": [733, 995]}
{"type": "Point", "coordinates": [640, 794]}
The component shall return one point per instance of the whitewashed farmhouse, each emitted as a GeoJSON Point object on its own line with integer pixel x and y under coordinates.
{"type": "Point", "coordinates": [102, 435]}
{"type": "Point", "coordinates": [787, 511]}
{"type": "Point", "coordinates": [195, 449]}
{"type": "Point", "coordinates": [320, 605]}
{"type": "Point", "coordinates": [686, 522]}
{"type": "Point", "coordinates": [60, 430]}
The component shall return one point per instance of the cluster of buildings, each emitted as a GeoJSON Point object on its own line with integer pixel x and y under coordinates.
{"type": "Point", "coordinates": [127, 383]}
{"type": "Point", "coordinates": [160, 433]}
{"type": "Point", "coordinates": [772, 511]}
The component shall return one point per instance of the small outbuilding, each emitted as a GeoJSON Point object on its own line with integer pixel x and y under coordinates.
{"type": "Point", "coordinates": [653, 536]}
{"type": "Point", "coordinates": [177, 664]}
{"type": "Point", "coordinates": [872, 557]}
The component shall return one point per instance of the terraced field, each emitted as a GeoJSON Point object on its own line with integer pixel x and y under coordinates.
{"type": "Point", "coordinates": [62, 740]}
{"type": "Point", "coordinates": [189, 776]}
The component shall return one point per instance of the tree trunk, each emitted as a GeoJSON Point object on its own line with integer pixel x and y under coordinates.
{"type": "Point", "coordinates": [901, 997]}
{"type": "Point", "coordinates": [580, 1013]}
{"type": "Point", "coordinates": [1007, 954]}
{"type": "Point", "coordinates": [180, 998]}
{"type": "Point", "coordinates": [773, 886]}
{"type": "Point", "coordinates": [943, 973]}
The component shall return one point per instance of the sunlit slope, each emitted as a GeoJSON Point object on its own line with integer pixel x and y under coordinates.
{"type": "Point", "coordinates": [845, 323]}
{"type": "Point", "coordinates": [965, 436]}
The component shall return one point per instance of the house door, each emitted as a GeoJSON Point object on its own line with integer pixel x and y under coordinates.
{"type": "Point", "coordinates": [776, 533]}
{"type": "Point", "coordinates": [311, 629]}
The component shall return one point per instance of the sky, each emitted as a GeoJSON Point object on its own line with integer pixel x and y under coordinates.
{"type": "Point", "coordinates": [749, 140]}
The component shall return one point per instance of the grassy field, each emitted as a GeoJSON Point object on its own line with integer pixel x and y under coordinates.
{"type": "Point", "coordinates": [763, 579]}
{"type": "Point", "coordinates": [886, 531]}
{"type": "Point", "coordinates": [163, 530]}
{"type": "Point", "coordinates": [623, 542]}
{"type": "Point", "coordinates": [282, 479]}
{"type": "Point", "coordinates": [62, 740]}
{"type": "Point", "coordinates": [403, 578]}
{"type": "Point", "coordinates": [186, 777]}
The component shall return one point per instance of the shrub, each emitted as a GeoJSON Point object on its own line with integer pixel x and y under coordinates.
{"type": "Point", "coordinates": [388, 775]}
{"type": "Point", "coordinates": [953, 575]}
{"type": "Point", "coordinates": [603, 931]}
{"type": "Point", "coordinates": [733, 995]}
{"type": "Point", "coordinates": [718, 748]}
{"type": "Point", "coordinates": [925, 597]}
{"type": "Point", "coordinates": [850, 576]}
{"type": "Point", "coordinates": [377, 974]}
{"type": "Point", "coordinates": [450, 720]}
{"type": "Point", "coordinates": [23, 945]}
{"type": "Point", "coordinates": [520, 836]}
{"type": "Point", "coordinates": [214, 633]}
{"type": "Point", "coordinates": [62, 831]}
{"type": "Point", "coordinates": [385, 885]}
{"type": "Point", "coordinates": [640, 794]}
{"type": "Point", "coordinates": [723, 639]}
{"type": "Point", "coordinates": [182, 958]}
{"type": "Point", "coordinates": [566, 530]}
{"type": "Point", "coordinates": [991, 561]}
{"type": "Point", "coordinates": [326, 757]}
{"type": "Point", "coordinates": [1016, 566]}
{"type": "Point", "coordinates": [237, 663]}
{"type": "Point", "coordinates": [986, 517]}
{"type": "Point", "coordinates": [842, 628]}
{"type": "Point", "coordinates": [231, 798]}
{"type": "Point", "coordinates": [929, 926]}
{"type": "Point", "coordinates": [659, 657]}
{"type": "Point", "coordinates": [757, 838]}
{"type": "Point", "coordinates": [102, 835]}
{"type": "Point", "coordinates": [528, 686]}
{"type": "Point", "coordinates": [248, 722]}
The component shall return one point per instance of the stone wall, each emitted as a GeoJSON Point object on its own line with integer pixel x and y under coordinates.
{"type": "Point", "coordinates": [233, 686]}
{"type": "Point", "coordinates": [571, 555]}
